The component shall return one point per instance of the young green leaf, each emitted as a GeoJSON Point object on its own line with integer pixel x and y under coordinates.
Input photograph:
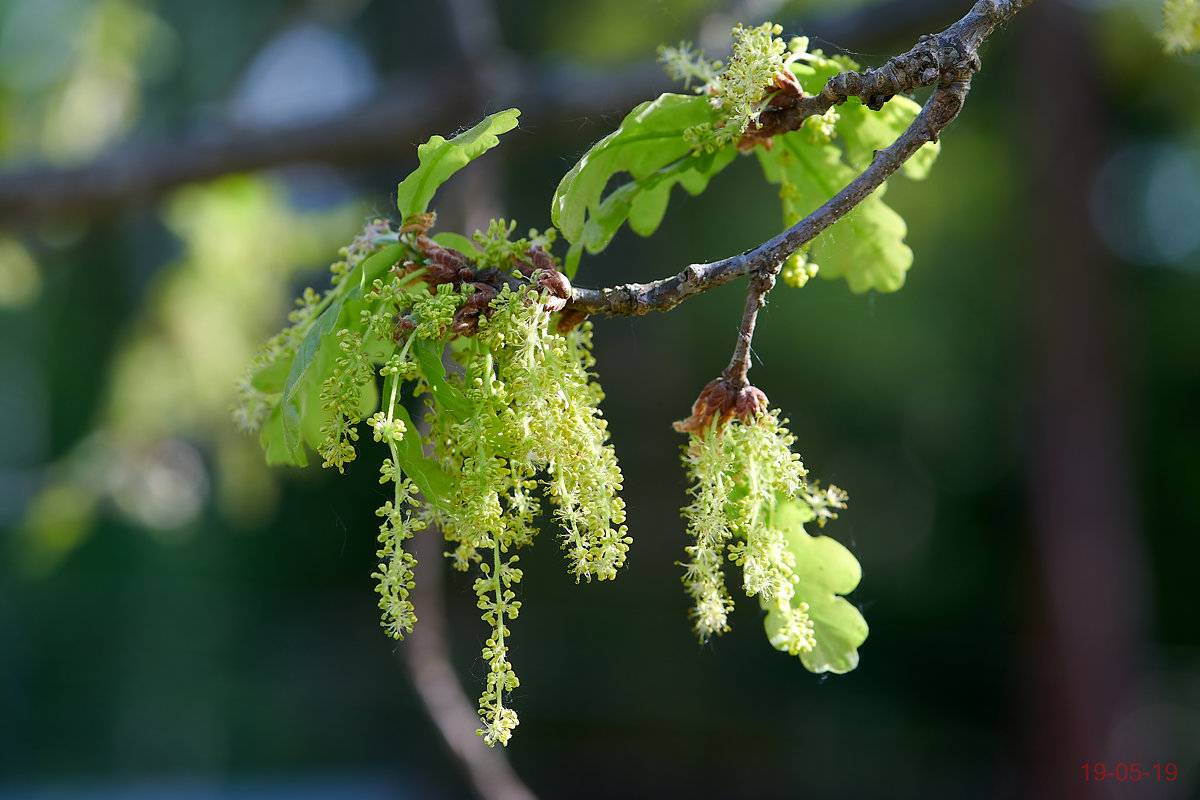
{"type": "Point", "coordinates": [298, 376]}
{"type": "Point", "coordinates": [375, 265]}
{"type": "Point", "coordinates": [303, 375]}
{"type": "Point", "coordinates": [651, 147]}
{"type": "Point", "coordinates": [274, 447]}
{"type": "Point", "coordinates": [272, 378]}
{"type": "Point", "coordinates": [644, 201]}
{"type": "Point", "coordinates": [866, 247]}
{"type": "Point", "coordinates": [864, 131]}
{"type": "Point", "coordinates": [457, 242]}
{"type": "Point", "coordinates": [448, 397]}
{"type": "Point", "coordinates": [825, 569]}
{"type": "Point", "coordinates": [441, 158]}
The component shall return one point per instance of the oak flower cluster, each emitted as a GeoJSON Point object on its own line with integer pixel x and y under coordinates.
{"type": "Point", "coordinates": [510, 407]}
{"type": "Point", "coordinates": [469, 360]}
{"type": "Point", "coordinates": [758, 74]}
{"type": "Point", "coordinates": [743, 470]}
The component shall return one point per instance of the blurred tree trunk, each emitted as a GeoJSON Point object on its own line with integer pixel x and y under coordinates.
{"type": "Point", "coordinates": [1088, 608]}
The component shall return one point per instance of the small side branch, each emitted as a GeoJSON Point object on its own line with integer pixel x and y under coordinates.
{"type": "Point", "coordinates": [756, 298]}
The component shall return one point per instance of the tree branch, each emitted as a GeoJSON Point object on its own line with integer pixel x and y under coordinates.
{"type": "Point", "coordinates": [140, 172]}
{"type": "Point", "coordinates": [955, 53]}
{"type": "Point", "coordinates": [386, 126]}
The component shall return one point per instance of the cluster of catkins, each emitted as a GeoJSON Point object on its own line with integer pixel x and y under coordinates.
{"type": "Point", "coordinates": [510, 408]}
{"type": "Point", "coordinates": [743, 469]}
{"type": "Point", "coordinates": [484, 343]}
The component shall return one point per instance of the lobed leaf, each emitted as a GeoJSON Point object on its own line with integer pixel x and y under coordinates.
{"type": "Point", "coordinates": [440, 158]}
{"type": "Point", "coordinates": [866, 247]}
{"type": "Point", "coordinates": [870, 252]}
{"type": "Point", "coordinates": [313, 362]}
{"type": "Point", "coordinates": [296, 419]}
{"type": "Point", "coordinates": [864, 131]}
{"type": "Point", "coordinates": [448, 397]}
{"type": "Point", "coordinates": [826, 570]}
{"type": "Point", "coordinates": [650, 146]}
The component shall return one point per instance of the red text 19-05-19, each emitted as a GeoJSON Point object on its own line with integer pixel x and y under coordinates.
{"type": "Point", "coordinates": [1130, 771]}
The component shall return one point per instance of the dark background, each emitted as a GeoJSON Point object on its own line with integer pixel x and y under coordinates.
{"type": "Point", "coordinates": [1017, 428]}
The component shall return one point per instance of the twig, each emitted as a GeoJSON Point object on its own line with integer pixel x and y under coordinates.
{"type": "Point", "coordinates": [955, 51]}
{"type": "Point", "coordinates": [756, 298]}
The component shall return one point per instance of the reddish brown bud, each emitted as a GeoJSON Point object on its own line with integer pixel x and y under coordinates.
{"type": "Point", "coordinates": [569, 320]}
{"type": "Point", "coordinates": [750, 403]}
{"type": "Point", "coordinates": [465, 321]}
{"type": "Point", "coordinates": [559, 286]}
{"type": "Point", "coordinates": [535, 258]}
{"type": "Point", "coordinates": [436, 275]}
{"type": "Point", "coordinates": [783, 92]}
{"type": "Point", "coordinates": [404, 326]}
{"type": "Point", "coordinates": [719, 399]}
{"type": "Point", "coordinates": [484, 293]}
{"type": "Point", "coordinates": [757, 133]}
{"type": "Point", "coordinates": [715, 399]}
{"type": "Point", "coordinates": [540, 258]}
{"type": "Point", "coordinates": [466, 318]}
{"type": "Point", "coordinates": [788, 87]}
{"type": "Point", "coordinates": [443, 264]}
{"type": "Point", "coordinates": [442, 256]}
